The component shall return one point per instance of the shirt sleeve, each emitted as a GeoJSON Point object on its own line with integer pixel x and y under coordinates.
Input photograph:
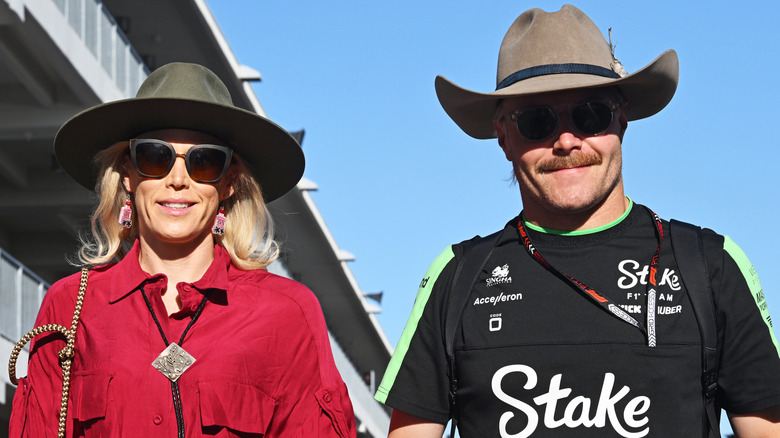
{"type": "Point", "coordinates": [36, 404]}
{"type": "Point", "coordinates": [749, 373]}
{"type": "Point", "coordinates": [416, 380]}
{"type": "Point", "coordinates": [313, 400]}
{"type": "Point", "coordinates": [332, 416]}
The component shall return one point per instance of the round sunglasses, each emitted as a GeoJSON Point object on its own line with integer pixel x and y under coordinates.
{"type": "Point", "coordinates": [206, 163]}
{"type": "Point", "coordinates": [539, 123]}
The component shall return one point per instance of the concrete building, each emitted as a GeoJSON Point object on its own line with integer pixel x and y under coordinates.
{"type": "Point", "coordinates": [58, 57]}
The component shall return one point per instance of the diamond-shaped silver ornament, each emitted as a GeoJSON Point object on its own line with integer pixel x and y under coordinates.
{"type": "Point", "coordinates": [173, 362]}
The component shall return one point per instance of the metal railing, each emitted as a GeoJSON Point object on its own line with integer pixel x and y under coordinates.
{"type": "Point", "coordinates": [104, 38]}
{"type": "Point", "coordinates": [21, 293]}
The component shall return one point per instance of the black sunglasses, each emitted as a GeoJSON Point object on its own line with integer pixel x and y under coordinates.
{"type": "Point", "coordinates": [539, 123]}
{"type": "Point", "coordinates": [206, 163]}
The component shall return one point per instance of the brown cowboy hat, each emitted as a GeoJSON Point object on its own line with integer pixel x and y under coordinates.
{"type": "Point", "coordinates": [183, 96]}
{"type": "Point", "coordinates": [556, 51]}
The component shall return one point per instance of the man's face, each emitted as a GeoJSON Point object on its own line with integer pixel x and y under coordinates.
{"type": "Point", "coordinates": [570, 172]}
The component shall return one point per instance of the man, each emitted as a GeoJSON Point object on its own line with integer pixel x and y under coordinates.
{"type": "Point", "coordinates": [579, 324]}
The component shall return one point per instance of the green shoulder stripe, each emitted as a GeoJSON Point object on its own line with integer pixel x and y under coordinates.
{"type": "Point", "coordinates": [423, 294]}
{"type": "Point", "coordinates": [751, 278]}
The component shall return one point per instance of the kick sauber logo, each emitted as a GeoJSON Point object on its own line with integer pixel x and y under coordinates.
{"type": "Point", "coordinates": [500, 275]}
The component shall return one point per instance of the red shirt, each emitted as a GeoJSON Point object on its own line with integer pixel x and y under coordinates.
{"type": "Point", "coordinates": [263, 360]}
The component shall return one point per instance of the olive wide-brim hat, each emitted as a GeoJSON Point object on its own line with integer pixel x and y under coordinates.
{"type": "Point", "coordinates": [182, 96]}
{"type": "Point", "coordinates": [555, 51]}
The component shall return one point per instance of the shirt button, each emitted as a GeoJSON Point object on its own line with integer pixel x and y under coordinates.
{"type": "Point", "coordinates": [157, 420]}
{"type": "Point", "coordinates": [327, 397]}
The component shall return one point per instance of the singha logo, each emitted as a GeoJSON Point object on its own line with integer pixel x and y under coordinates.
{"type": "Point", "coordinates": [500, 275]}
{"type": "Point", "coordinates": [501, 271]}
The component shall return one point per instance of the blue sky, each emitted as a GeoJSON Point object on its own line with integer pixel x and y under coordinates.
{"type": "Point", "coordinates": [398, 181]}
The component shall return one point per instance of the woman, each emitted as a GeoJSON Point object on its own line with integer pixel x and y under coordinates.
{"type": "Point", "coordinates": [187, 333]}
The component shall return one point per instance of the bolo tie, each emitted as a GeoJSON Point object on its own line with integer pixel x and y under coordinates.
{"type": "Point", "coordinates": [648, 330]}
{"type": "Point", "coordinates": [174, 360]}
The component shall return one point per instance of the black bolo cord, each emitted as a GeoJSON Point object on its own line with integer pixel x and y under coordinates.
{"type": "Point", "coordinates": [175, 384]}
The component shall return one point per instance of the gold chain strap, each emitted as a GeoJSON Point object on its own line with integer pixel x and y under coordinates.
{"type": "Point", "coordinates": [66, 354]}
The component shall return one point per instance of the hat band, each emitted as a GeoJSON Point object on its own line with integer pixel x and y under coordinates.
{"type": "Point", "coordinates": [554, 69]}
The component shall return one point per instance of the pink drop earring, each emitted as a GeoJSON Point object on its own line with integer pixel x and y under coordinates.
{"type": "Point", "coordinates": [126, 213]}
{"type": "Point", "coordinates": [219, 222]}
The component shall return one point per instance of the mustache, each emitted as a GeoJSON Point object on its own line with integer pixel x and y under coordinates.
{"type": "Point", "coordinates": [568, 162]}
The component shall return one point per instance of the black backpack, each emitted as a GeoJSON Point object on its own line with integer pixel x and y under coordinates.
{"type": "Point", "coordinates": [687, 245]}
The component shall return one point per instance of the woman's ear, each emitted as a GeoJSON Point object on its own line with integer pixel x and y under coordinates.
{"type": "Point", "coordinates": [227, 187]}
{"type": "Point", "coordinates": [125, 175]}
{"type": "Point", "coordinates": [226, 192]}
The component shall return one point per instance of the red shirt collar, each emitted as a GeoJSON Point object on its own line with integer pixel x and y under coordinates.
{"type": "Point", "coordinates": [127, 276]}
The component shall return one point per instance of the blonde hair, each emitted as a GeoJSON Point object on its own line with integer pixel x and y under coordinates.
{"type": "Point", "coordinates": [249, 230]}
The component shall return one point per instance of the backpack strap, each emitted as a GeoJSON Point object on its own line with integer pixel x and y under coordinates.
{"type": "Point", "coordinates": [687, 244]}
{"type": "Point", "coordinates": [475, 254]}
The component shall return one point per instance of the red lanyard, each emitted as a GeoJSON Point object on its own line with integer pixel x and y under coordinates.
{"type": "Point", "coordinates": [604, 302]}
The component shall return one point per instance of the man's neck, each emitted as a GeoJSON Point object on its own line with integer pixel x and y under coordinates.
{"type": "Point", "coordinates": [607, 212]}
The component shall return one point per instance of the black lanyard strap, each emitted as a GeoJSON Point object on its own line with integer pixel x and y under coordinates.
{"type": "Point", "coordinates": [174, 383]}
{"type": "Point", "coordinates": [604, 302]}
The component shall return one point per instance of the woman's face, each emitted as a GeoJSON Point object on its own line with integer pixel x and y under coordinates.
{"type": "Point", "coordinates": [174, 209]}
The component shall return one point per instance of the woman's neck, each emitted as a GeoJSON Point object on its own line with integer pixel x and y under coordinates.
{"type": "Point", "coordinates": [179, 263]}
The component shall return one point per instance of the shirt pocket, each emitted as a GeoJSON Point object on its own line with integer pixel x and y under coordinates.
{"type": "Point", "coordinates": [90, 397]}
{"type": "Point", "coordinates": [235, 406]}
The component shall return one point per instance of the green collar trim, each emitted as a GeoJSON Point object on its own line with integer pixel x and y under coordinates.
{"type": "Point", "coordinates": [581, 232]}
